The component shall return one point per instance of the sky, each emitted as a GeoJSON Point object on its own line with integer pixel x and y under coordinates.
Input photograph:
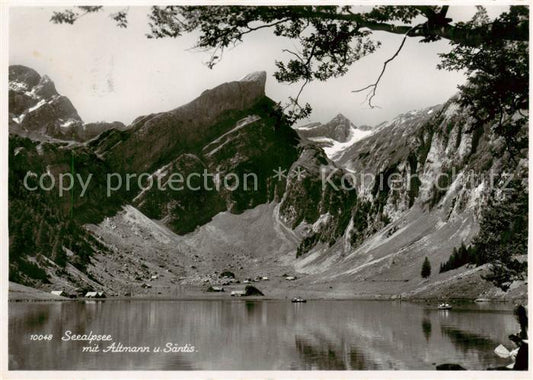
{"type": "Point", "coordinates": [113, 74]}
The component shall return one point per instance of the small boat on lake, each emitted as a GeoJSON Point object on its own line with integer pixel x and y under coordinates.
{"type": "Point", "coordinates": [444, 306]}
{"type": "Point", "coordinates": [298, 300]}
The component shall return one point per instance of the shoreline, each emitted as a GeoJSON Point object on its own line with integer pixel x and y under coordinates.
{"type": "Point", "coordinates": [22, 293]}
{"type": "Point", "coordinates": [227, 297]}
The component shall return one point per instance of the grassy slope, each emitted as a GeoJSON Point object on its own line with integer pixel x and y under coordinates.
{"type": "Point", "coordinates": [19, 292]}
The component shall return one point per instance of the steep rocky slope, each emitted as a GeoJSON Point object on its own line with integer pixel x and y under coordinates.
{"type": "Point", "coordinates": [232, 130]}
{"type": "Point", "coordinates": [232, 133]}
{"type": "Point", "coordinates": [422, 182]}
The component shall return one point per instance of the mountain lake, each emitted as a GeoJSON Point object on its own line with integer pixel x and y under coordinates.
{"type": "Point", "coordinates": [255, 335]}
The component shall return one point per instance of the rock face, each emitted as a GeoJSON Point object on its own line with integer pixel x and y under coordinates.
{"type": "Point", "coordinates": [91, 130]}
{"type": "Point", "coordinates": [338, 129]}
{"type": "Point", "coordinates": [312, 205]}
{"type": "Point", "coordinates": [232, 128]}
{"type": "Point", "coordinates": [36, 109]}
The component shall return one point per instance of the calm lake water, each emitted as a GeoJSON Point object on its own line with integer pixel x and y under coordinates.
{"type": "Point", "coordinates": [260, 335]}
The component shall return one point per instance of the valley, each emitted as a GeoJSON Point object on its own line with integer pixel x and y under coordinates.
{"type": "Point", "coordinates": [367, 240]}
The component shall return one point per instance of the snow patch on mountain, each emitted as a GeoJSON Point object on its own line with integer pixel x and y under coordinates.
{"type": "Point", "coordinates": [335, 150]}
{"type": "Point", "coordinates": [335, 136]}
{"type": "Point", "coordinates": [18, 86]}
{"type": "Point", "coordinates": [19, 119]}
{"type": "Point", "coordinates": [69, 123]}
{"type": "Point", "coordinates": [41, 103]}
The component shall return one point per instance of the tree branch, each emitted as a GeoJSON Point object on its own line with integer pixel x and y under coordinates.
{"type": "Point", "coordinates": [374, 85]}
{"type": "Point", "coordinates": [454, 33]}
{"type": "Point", "coordinates": [237, 38]}
{"type": "Point", "coordinates": [295, 101]}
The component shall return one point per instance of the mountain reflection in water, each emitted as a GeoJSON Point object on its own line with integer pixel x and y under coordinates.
{"type": "Point", "coordinates": [260, 335]}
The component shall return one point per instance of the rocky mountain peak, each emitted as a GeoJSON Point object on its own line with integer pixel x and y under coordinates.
{"type": "Point", "coordinates": [258, 76]}
{"type": "Point", "coordinates": [340, 118]}
{"type": "Point", "coordinates": [339, 129]}
{"type": "Point", "coordinates": [35, 107]}
{"type": "Point", "coordinates": [195, 123]}
{"type": "Point", "coordinates": [23, 76]}
{"type": "Point", "coordinates": [235, 95]}
{"type": "Point", "coordinates": [38, 111]}
{"type": "Point", "coordinates": [30, 83]}
{"type": "Point", "coordinates": [45, 88]}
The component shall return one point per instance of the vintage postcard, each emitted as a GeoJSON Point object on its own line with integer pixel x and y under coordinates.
{"type": "Point", "coordinates": [260, 186]}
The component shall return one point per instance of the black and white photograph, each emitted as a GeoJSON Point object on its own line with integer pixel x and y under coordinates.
{"type": "Point", "coordinates": [260, 186]}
